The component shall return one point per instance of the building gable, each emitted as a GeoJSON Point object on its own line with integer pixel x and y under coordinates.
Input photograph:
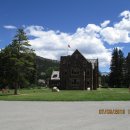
{"type": "Point", "coordinates": [77, 72]}
{"type": "Point", "coordinates": [78, 58]}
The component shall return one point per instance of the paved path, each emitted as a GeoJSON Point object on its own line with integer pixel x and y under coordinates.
{"type": "Point", "coordinates": [62, 116]}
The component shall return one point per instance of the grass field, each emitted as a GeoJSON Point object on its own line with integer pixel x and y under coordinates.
{"type": "Point", "coordinates": [111, 94]}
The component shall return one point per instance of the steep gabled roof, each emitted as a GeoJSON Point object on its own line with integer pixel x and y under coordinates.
{"type": "Point", "coordinates": [92, 61]}
{"type": "Point", "coordinates": [77, 52]}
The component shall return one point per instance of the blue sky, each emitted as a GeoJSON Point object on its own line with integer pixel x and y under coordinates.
{"type": "Point", "coordinates": [54, 23]}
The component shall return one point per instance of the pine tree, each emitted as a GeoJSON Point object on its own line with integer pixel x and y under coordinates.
{"type": "Point", "coordinates": [118, 72]}
{"type": "Point", "coordinates": [128, 70]}
{"type": "Point", "coordinates": [114, 65]}
{"type": "Point", "coordinates": [18, 61]}
{"type": "Point", "coordinates": [121, 69]}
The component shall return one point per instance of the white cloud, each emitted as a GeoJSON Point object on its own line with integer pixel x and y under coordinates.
{"type": "Point", "coordinates": [124, 24]}
{"type": "Point", "coordinates": [90, 40]}
{"type": "Point", "coordinates": [119, 32]}
{"type": "Point", "coordinates": [114, 36]}
{"type": "Point", "coordinates": [105, 23]}
{"type": "Point", "coordinates": [9, 27]}
{"type": "Point", "coordinates": [125, 14]}
{"type": "Point", "coordinates": [51, 44]}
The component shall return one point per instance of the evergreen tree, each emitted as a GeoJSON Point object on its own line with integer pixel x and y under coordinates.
{"type": "Point", "coordinates": [18, 61]}
{"type": "Point", "coordinates": [128, 70]}
{"type": "Point", "coordinates": [121, 69]}
{"type": "Point", "coordinates": [113, 67]}
{"type": "Point", "coordinates": [117, 67]}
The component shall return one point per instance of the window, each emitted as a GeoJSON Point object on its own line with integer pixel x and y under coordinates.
{"type": "Point", "coordinates": [87, 82]}
{"type": "Point", "coordinates": [75, 71]}
{"type": "Point", "coordinates": [75, 81]}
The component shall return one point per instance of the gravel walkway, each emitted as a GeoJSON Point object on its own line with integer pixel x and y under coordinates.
{"type": "Point", "coordinates": [20, 115]}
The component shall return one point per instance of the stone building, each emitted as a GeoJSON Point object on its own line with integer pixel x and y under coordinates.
{"type": "Point", "coordinates": [78, 73]}
{"type": "Point", "coordinates": [128, 69]}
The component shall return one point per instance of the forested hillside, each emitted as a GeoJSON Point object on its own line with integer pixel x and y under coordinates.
{"type": "Point", "coordinates": [45, 67]}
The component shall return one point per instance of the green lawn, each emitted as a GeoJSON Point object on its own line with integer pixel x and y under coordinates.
{"type": "Point", "coordinates": [111, 94]}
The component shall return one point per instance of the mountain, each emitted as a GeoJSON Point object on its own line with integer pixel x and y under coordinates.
{"type": "Point", "coordinates": [46, 66]}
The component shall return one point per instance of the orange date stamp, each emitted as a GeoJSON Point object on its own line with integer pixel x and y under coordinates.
{"type": "Point", "coordinates": [114, 111]}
